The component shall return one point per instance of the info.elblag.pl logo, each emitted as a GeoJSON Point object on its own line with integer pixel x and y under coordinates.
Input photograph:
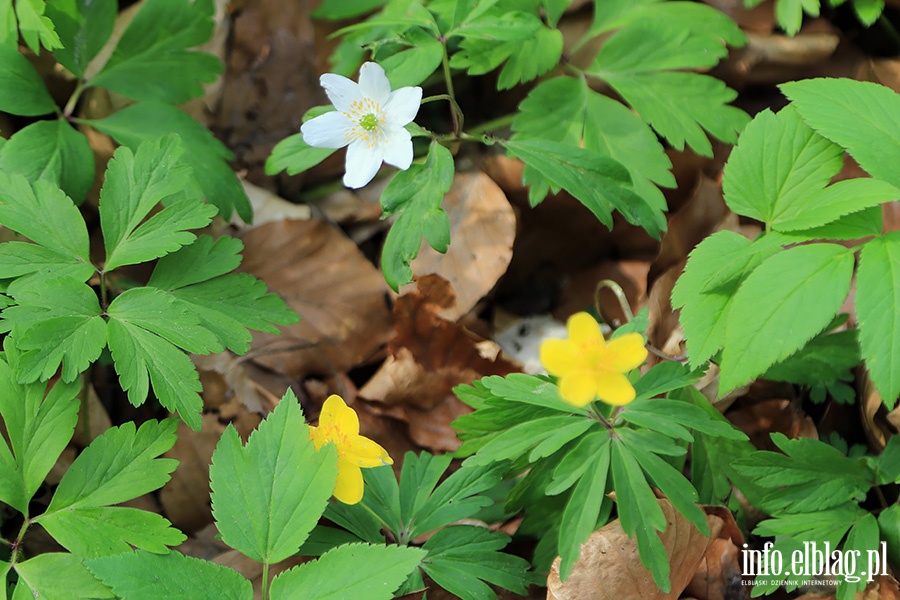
{"type": "Point", "coordinates": [814, 560]}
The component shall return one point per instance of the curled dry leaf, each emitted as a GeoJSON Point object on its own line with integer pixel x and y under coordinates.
{"type": "Point", "coordinates": [482, 231]}
{"type": "Point", "coordinates": [339, 295]}
{"type": "Point", "coordinates": [268, 207]}
{"type": "Point", "coordinates": [429, 356]}
{"type": "Point", "coordinates": [718, 575]}
{"type": "Point", "coordinates": [610, 568]}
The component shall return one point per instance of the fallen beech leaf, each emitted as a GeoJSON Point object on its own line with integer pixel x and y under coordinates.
{"type": "Point", "coordinates": [718, 575]}
{"type": "Point", "coordinates": [482, 231]}
{"type": "Point", "coordinates": [429, 356]}
{"type": "Point", "coordinates": [610, 568]}
{"type": "Point", "coordinates": [269, 206]}
{"type": "Point", "coordinates": [339, 295]}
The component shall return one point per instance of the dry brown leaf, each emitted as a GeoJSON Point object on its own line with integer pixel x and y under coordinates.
{"type": "Point", "coordinates": [765, 410]}
{"type": "Point", "coordinates": [269, 206]}
{"type": "Point", "coordinates": [609, 567]}
{"type": "Point", "coordinates": [718, 575]}
{"type": "Point", "coordinates": [339, 295]}
{"type": "Point", "coordinates": [482, 232]}
{"type": "Point", "coordinates": [429, 356]}
{"type": "Point", "coordinates": [185, 498]}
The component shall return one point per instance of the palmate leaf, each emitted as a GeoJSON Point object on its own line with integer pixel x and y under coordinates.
{"type": "Point", "coordinates": [827, 358]}
{"type": "Point", "coordinates": [877, 298]}
{"type": "Point", "coordinates": [268, 495]}
{"type": "Point", "coordinates": [782, 304]}
{"type": "Point", "coordinates": [811, 476]}
{"type": "Point", "coordinates": [225, 305]}
{"type": "Point", "coordinates": [597, 181]}
{"type": "Point", "coordinates": [57, 576]}
{"type": "Point", "coordinates": [694, 20]}
{"type": "Point", "coordinates": [146, 576]}
{"type": "Point", "coordinates": [566, 110]}
{"type": "Point", "coordinates": [862, 117]}
{"type": "Point", "coordinates": [151, 60]}
{"type": "Point", "coordinates": [22, 91]}
{"type": "Point", "coordinates": [53, 151]}
{"type": "Point", "coordinates": [44, 214]}
{"type": "Point", "coordinates": [416, 194]}
{"type": "Point", "coordinates": [84, 27]}
{"type": "Point", "coordinates": [119, 465]}
{"type": "Point", "coordinates": [38, 428]}
{"type": "Point", "coordinates": [363, 571]}
{"type": "Point", "coordinates": [205, 154]}
{"type": "Point", "coordinates": [137, 182]}
{"type": "Point", "coordinates": [462, 557]}
{"type": "Point", "coordinates": [54, 322]}
{"type": "Point", "coordinates": [585, 505]}
{"type": "Point", "coordinates": [26, 17]}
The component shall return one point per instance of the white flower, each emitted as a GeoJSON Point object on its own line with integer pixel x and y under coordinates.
{"type": "Point", "coordinates": [370, 118]}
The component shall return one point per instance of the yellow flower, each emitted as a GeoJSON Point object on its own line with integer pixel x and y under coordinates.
{"type": "Point", "coordinates": [588, 367]}
{"type": "Point", "coordinates": [339, 425]}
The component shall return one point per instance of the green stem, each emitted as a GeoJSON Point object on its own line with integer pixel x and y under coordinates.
{"type": "Point", "coordinates": [488, 126]}
{"type": "Point", "coordinates": [616, 289]}
{"type": "Point", "coordinates": [85, 407]}
{"type": "Point", "coordinates": [265, 581]}
{"type": "Point", "coordinates": [456, 115]}
{"type": "Point", "coordinates": [103, 292]}
{"type": "Point", "coordinates": [17, 543]}
{"type": "Point", "coordinates": [379, 519]}
{"type": "Point", "coordinates": [73, 99]}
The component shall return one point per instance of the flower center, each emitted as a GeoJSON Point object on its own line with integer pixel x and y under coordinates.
{"type": "Point", "coordinates": [367, 120]}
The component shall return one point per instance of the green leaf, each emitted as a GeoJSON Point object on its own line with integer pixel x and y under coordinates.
{"type": "Point", "coordinates": [36, 29]}
{"type": "Point", "coordinates": [158, 312]}
{"type": "Point", "coordinates": [519, 439]}
{"type": "Point", "coordinates": [889, 462]}
{"type": "Point", "coordinates": [782, 304]}
{"type": "Point", "coordinates": [416, 194]}
{"type": "Point", "coordinates": [324, 538]}
{"type": "Point", "coordinates": [462, 557]}
{"type": "Point", "coordinates": [579, 519]}
{"type": "Point", "coordinates": [56, 322]}
{"type": "Point", "coordinates": [664, 377]}
{"type": "Point", "coordinates": [877, 298]}
{"type": "Point", "coordinates": [637, 62]}
{"type": "Point", "coordinates": [141, 357]}
{"type": "Point", "coordinates": [413, 66]}
{"type": "Point", "coordinates": [706, 289]}
{"type": "Point", "coordinates": [868, 11]}
{"type": "Point", "coordinates": [38, 429]}
{"type": "Point", "coordinates": [225, 305]}
{"type": "Point", "coordinates": [151, 60]}
{"type": "Point", "coordinates": [572, 465]}
{"type": "Point", "coordinates": [827, 358]}
{"type": "Point", "coordinates": [84, 27]}
{"type": "Point", "coordinates": [597, 181]}
{"type": "Point", "coordinates": [690, 19]}
{"type": "Point", "coordinates": [529, 389]}
{"type": "Point", "coordinates": [336, 10]}
{"type": "Point", "coordinates": [862, 224]}
{"type": "Point", "coordinates": [362, 571]}
{"type": "Point", "coordinates": [294, 155]}
{"type": "Point", "coordinates": [419, 476]}
{"type": "Point", "coordinates": [639, 513]}
{"type": "Point", "coordinates": [677, 413]}
{"type": "Point", "coordinates": [113, 530]}
{"type": "Point", "coordinates": [889, 524]}
{"type": "Point", "coordinates": [862, 117]}
{"type": "Point", "coordinates": [22, 90]}
{"type": "Point", "coordinates": [205, 154]}
{"type": "Point", "coordinates": [146, 576]}
{"type": "Point", "coordinates": [57, 576]}
{"type": "Point", "coordinates": [135, 183]}
{"type": "Point", "coordinates": [45, 215]}
{"type": "Point", "coordinates": [268, 495]}
{"type": "Point", "coordinates": [811, 476]}
{"type": "Point", "coordinates": [566, 110]}
{"type": "Point", "coordinates": [119, 465]}
{"type": "Point", "coordinates": [54, 152]}
{"type": "Point", "coordinates": [777, 165]}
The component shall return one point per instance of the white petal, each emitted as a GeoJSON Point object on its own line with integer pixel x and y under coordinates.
{"type": "Point", "coordinates": [326, 131]}
{"type": "Point", "coordinates": [402, 106]}
{"type": "Point", "coordinates": [373, 83]}
{"type": "Point", "coordinates": [398, 148]}
{"type": "Point", "coordinates": [362, 164]}
{"type": "Point", "coordinates": [340, 90]}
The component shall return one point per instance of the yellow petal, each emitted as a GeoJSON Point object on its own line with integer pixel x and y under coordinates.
{"type": "Point", "coordinates": [583, 329]}
{"type": "Point", "coordinates": [317, 436]}
{"type": "Point", "coordinates": [349, 486]}
{"type": "Point", "coordinates": [560, 356]}
{"type": "Point", "coordinates": [613, 388]}
{"type": "Point", "coordinates": [578, 388]}
{"type": "Point", "coordinates": [363, 452]}
{"type": "Point", "coordinates": [625, 353]}
{"type": "Point", "coordinates": [337, 414]}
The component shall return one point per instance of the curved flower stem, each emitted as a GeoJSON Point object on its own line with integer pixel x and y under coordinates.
{"type": "Point", "coordinates": [488, 126]}
{"type": "Point", "coordinates": [73, 99]}
{"type": "Point", "coordinates": [616, 289]}
{"type": "Point", "coordinates": [665, 355]}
